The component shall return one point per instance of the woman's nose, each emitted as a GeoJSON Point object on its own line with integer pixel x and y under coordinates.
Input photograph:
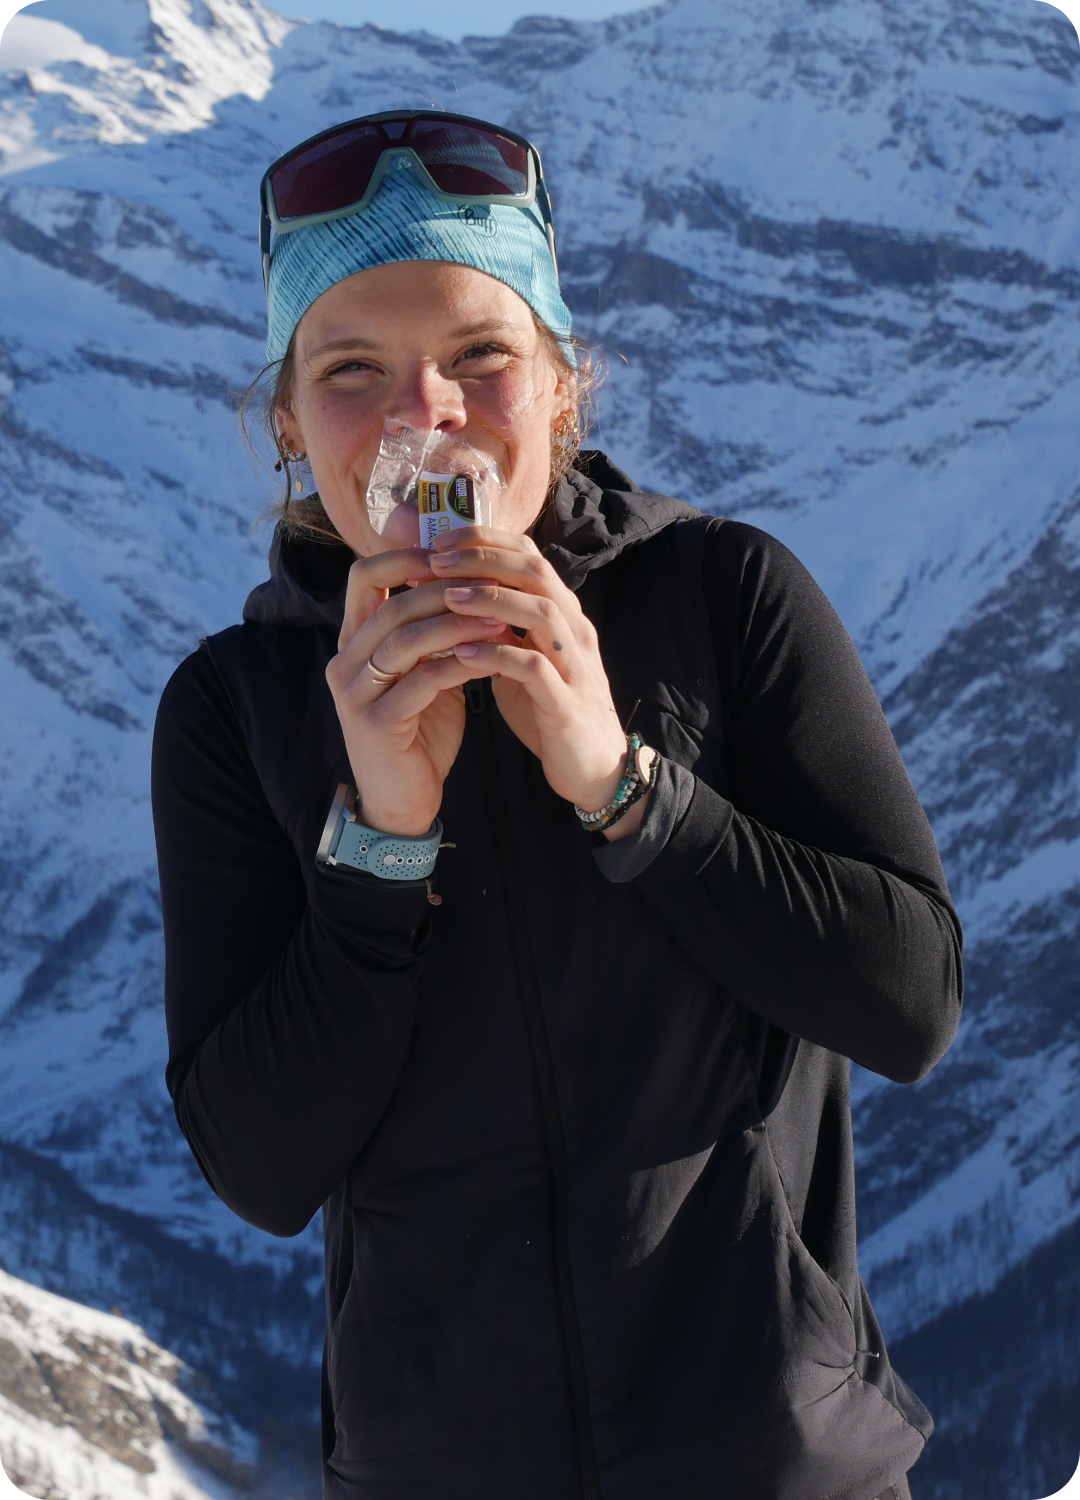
{"type": "Point", "coordinates": [426, 399]}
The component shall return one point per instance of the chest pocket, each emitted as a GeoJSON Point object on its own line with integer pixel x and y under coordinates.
{"type": "Point", "coordinates": [653, 614]}
{"type": "Point", "coordinates": [673, 681]}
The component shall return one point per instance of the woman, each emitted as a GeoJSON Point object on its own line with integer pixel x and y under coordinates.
{"type": "Point", "coordinates": [578, 1118]}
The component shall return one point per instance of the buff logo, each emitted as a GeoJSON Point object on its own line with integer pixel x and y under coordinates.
{"type": "Point", "coordinates": [478, 216]}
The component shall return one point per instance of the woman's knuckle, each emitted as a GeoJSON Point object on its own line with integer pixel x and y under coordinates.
{"type": "Point", "coordinates": [391, 609]}
{"type": "Point", "coordinates": [401, 641]}
{"type": "Point", "coordinates": [411, 637]}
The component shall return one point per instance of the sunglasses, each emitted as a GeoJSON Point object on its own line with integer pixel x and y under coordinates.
{"type": "Point", "coordinates": [460, 160]}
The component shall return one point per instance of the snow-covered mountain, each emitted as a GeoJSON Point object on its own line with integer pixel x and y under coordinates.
{"type": "Point", "coordinates": [832, 251]}
{"type": "Point", "coordinates": [89, 1406]}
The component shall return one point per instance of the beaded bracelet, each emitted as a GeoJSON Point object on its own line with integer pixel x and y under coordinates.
{"type": "Point", "coordinates": [641, 790]}
{"type": "Point", "coordinates": [631, 787]}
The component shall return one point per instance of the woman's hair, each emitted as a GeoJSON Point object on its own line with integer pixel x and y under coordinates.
{"type": "Point", "coordinates": [304, 516]}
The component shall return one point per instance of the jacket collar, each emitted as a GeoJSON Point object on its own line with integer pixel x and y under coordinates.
{"type": "Point", "coordinates": [597, 513]}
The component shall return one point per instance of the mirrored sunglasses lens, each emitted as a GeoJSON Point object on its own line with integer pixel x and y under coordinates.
{"type": "Point", "coordinates": [330, 175]}
{"type": "Point", "coordinates": [463, 159]}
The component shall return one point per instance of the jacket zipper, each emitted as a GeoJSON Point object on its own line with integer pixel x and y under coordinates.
{"type": "Point", "coordinates": [480, 700]}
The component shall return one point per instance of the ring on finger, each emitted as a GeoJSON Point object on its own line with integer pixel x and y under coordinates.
{"type": "Point", "coordinates": [381, 677]}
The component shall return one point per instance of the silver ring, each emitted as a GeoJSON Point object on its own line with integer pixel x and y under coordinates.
{"type": "Point", "coordinates": [381, 677]}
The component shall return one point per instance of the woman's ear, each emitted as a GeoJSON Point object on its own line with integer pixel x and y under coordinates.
{"type": "Point", "coordinates": [288, 427]}
{"type": "Point", "coordinates": [564, 399]}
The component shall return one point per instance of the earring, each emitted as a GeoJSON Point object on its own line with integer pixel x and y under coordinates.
{"type": "Point", "coordinates": [289, 455]}
{"type": "Point", "coordinates": [567, 426]}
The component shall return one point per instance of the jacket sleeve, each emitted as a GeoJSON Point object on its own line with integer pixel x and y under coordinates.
{"type": "Point", "coordinates": [289, 1004]}
{"type": "Point", "coordinates": [813, 892]}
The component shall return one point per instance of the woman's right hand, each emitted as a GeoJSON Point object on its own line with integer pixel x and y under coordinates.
{"type": "Point", "coordinates": [402, 737]}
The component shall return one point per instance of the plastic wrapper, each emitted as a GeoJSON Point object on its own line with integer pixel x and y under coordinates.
{"type": "Point", "coordinates": [427, 482]}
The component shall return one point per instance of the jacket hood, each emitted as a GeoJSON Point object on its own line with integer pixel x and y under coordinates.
{"type": "Point", "coordinates": [597, 513]}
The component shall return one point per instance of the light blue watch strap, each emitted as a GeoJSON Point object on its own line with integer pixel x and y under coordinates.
{"type": "Point", "coordinates": [390, 856]}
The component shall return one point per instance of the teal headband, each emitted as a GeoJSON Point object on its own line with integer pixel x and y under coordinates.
{"type": "Point", "coordinates": [406, 222]}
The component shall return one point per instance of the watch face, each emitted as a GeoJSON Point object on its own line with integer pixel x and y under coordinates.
{"type": "Point", "coordinates": [645, 762]}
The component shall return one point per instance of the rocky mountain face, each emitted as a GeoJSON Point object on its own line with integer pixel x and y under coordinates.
{"type": "Point", "coordinates": [830, 250]}
{"type": "Point", "coordinates": [88, 1405]}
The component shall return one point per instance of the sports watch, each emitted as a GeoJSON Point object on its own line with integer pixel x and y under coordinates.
{"type": "Point", "coordinates": [390, 856]}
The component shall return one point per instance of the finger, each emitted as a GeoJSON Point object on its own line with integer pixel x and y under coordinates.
{"type": "Point", "coordinates": [417, 690]}
{"type": "Point", "coordinates": [540, 616]}
{"type": "Point", "coordinates": [403, 649]}
{"type": "Point", "coordinates": [372, 578]}
{"type": "Point", "coordinates": [474, 539]}
{"type": "Point", "coordinates": [530, 668]}
{"type": "Point", "coordinates": [358, 684]}
{"type": "Point", "coordinates": [518, 568]}
{"type": "Point", "coordinates": [527, 573]}
{"type": "Point", "coordinates": [420, 603]}
{"type": "Point", "coordinates": [479, 536]}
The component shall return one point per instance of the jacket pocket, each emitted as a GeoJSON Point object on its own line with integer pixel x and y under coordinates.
{"type": "Point", "coordinates": [831, 1434]}
{"type": "Point", "coordinates": [820, 1322]}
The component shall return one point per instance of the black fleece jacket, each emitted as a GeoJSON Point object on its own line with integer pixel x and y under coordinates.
{"type": "Point", "coordinates": [643, 1281]}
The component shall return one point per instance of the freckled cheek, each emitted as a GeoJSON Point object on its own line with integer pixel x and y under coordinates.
{"type": "Point", "coordinates": [507, 408]}
{"type": "Point", "coordinates": [344, 438]}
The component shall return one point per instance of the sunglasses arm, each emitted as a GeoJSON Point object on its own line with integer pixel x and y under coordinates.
{"type": "Point", "coordinates": [264, 246]}
{"type": "Point", "coordinates": [543, 199]}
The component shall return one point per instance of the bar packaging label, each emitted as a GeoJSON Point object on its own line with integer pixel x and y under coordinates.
{"type": "Point", "coordinates": [445, 502]}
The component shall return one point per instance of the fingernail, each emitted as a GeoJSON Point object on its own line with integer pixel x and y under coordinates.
{"type": "Point", "coordinates": [458, 595]}
{"type": "Point", "coordinates": [487, 620]}
{"type": "Point", "coordinates": [449, 558]}
{"type": "Point", "coordinates": [467, 650]}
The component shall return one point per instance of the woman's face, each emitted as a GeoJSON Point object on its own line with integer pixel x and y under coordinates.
{"type": "Point", "coordinates": [434, 345]}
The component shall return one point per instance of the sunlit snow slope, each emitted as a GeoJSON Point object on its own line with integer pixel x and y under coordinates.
{"type": "Point", "coordinates": [88, 1403]}
{"type": "Point", "coordinates": [832, 251]}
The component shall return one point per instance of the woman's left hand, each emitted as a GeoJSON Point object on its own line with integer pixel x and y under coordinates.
{"type": "Point", "coordinates": [551, 686]}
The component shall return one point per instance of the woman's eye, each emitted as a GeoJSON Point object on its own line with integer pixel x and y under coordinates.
{"type": "Point", "coordinates": [348, 366]}
{"type": "Point", "coordinates": [482, 351]}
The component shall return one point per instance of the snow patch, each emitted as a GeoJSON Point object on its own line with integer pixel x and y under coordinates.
{"type": "Point", "coordinates": [32, 42]}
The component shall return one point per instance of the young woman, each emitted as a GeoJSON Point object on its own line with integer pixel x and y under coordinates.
{"type": "Point", "coordinates": [628, 867]}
